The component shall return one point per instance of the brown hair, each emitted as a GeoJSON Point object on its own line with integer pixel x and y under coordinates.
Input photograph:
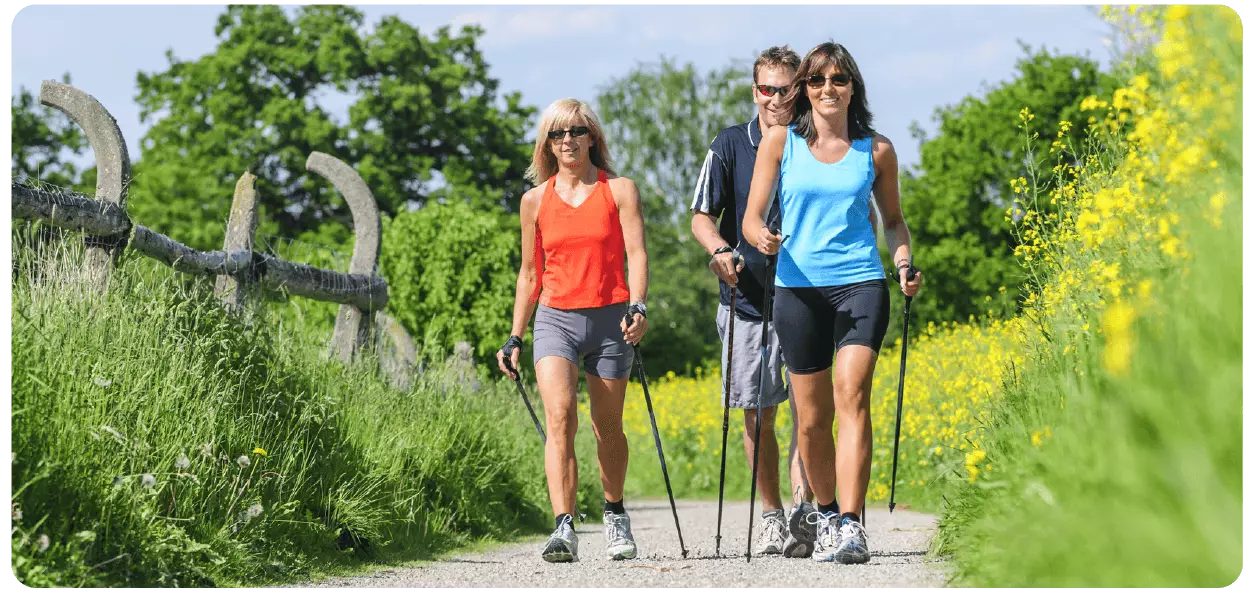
{"type": "Point", "coordinates": [558, 115]}
{"type": "Point", "coordinates": [859, 119]}
{"type": "Point", "coordinates": [775, 57]}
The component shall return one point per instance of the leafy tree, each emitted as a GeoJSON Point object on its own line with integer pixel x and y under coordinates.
{"type": "Point", "coordinates": [452, 272]}
{"type": "Point", "coordinates": [956, 197]}
{"type": "Point", "coordinates": [42, 137]}
{"type": "Point", "coordinates": [424, 114]}
{"type": "Point", "coordinates": [660, 119]}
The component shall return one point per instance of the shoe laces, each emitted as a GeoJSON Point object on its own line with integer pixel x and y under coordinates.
{"type": "Point", "coordinates": [825, 530]}
{"type": "Point", "coordinates": [850, 529]}
{"type": "Point", "coordinates": [773, 528]}
{"type": "Point", "coordinates": [616, 527]}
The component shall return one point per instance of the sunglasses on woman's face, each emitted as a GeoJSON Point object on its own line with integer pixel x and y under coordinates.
{"type": "Point", "coordinates": [576, 131]}
{"type": "Point", "coordinates": [818, 81]}
{"type": "Point", "coordinates": [769, 90]}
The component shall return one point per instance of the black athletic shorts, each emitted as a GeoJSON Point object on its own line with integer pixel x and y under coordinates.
{"type": "Point", "coordinates": [814, 323]}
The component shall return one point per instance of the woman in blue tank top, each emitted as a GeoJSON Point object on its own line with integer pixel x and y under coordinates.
{"type": "Point", "coordinates": [831, 302]}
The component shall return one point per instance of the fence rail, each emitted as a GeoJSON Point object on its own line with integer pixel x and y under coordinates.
{"type": "Point", "coordinates": [239, 269]}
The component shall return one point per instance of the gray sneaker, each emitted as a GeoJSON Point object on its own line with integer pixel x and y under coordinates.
{"type": "Point", "coordinates": [853, 546]}
{"type": "Point", "coordinates": [827, 535]}
{"type": "Point", "coordinates": [562, 547]}
{"type": "Point", "coordinates": [801, 534]}
{"type": "Point", "coordinates": [773, 533]}
{"type": "Point", "coordinates": [620, 539]}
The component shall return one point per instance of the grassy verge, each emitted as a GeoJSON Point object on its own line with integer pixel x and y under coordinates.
{"type": "Point", "coordinates": [158, 441]}
{"type": "Point", "coordinates": [1119, 450]}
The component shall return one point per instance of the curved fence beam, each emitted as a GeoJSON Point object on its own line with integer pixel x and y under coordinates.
{"type": "Point", "coordinates": [352, 328]}
{"type": "Point", "coordinates": [112, 164]}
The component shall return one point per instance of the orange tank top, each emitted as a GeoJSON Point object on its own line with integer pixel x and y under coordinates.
{"type": "Point", "coordinates": [580, 252]}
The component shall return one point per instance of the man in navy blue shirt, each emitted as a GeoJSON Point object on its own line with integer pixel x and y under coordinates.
{"type": "Point", "coordinates": [721, 192]}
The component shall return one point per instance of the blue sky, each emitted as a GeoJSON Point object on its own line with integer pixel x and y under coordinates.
{"type": "Point", "coordinates": [914, 58]}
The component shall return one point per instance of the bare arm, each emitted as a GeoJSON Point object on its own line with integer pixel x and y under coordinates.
{"type": "Point", "coordinates": [763, 181]}
{"type": "Point", "coordinates": [886, 196]}
{"type": "Point", "coordinates": [527, 277]}
{"type": "Point", "coordinates": [630, 210]}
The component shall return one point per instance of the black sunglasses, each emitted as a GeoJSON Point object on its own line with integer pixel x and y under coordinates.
{"type": "Point", "coordinates": [769, 90]}
{"type": "Point", "coordinates": [576, 131]}
{"type": "Point", "coordinates": [818, 81]}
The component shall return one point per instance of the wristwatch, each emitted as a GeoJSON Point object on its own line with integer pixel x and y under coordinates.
{"type": "Point", "coordinates": [725, 249]}
{"type": "Point", "coordinates": [639, 308]}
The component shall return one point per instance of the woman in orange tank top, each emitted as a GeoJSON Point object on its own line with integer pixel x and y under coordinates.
{"type": "Point", "coordinates": [584, 267]}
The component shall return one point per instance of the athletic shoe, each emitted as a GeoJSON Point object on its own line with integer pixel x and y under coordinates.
{"type": "Point", "coordinates": [562, 547]}
{"type": "Point", "coordinates": [853, 546]}
{"type": "Point", "coordinates": [827, 535]}
{"type": "Point", "coordinates": [620, 539]}
{"type": "Point", "coordinates": [773, 533]}
{"type": "Point", "coordinates": [801, 534]}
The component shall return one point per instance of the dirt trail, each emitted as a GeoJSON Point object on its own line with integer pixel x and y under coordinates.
{"type": "Point", "coordinates": [897, 541]}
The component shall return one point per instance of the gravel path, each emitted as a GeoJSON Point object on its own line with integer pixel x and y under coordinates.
{"type": "Point", "coordinates": [898, 542]}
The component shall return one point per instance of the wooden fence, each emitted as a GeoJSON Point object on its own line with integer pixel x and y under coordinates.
{"type": "Point", "coordinates": [242, 273]}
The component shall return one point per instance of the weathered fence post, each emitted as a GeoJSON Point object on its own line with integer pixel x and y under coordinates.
{"type": "Point", "coordinates": [237, 291]}
{"type": "Point", "coordinates": [112, 168]}
{"type": "Point", "coordinates": [352, 329]}
{"type": "Point", "coordinates": [397, 352]}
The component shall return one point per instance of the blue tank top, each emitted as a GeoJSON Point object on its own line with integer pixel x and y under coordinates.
{"type": "Point", "coordinates": [825, 212]}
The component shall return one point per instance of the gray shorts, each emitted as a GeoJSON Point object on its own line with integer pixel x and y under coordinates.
{"type": "Point", "coordinates": [745, 375]}
{"type": "Point", "coordinates": [590, 337]}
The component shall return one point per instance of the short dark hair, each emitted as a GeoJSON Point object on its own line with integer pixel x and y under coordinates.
{"type": "Point", "coordinates": [774, 57]}
{"type": "Point", "coordinates": [859, 119]}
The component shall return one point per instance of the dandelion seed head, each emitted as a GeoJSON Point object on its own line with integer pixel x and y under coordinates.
{"type": "Point", "coordinates": [44, 542]}
{"type": "Point", "coordinates": [183, 462]}
{"type": "Point", "coordinates": [147, 480]}
{"type": "Point", "coordinates": [244, 461]}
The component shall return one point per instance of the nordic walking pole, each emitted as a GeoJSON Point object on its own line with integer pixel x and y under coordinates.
{"type": "Point", "coordinates": [664, 470]}
{"type": "Point", "coordinates": [766, 314]}
{"type": "Point", "coordinates": [725, 416]}
{"type": "Point", "coordinates": [508, 363]}
{"type": "Point", "coordinates": [903, 365]}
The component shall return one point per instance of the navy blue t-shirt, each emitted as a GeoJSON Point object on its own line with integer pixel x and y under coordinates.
{"type": "Point", "coordinates": [723, 185]}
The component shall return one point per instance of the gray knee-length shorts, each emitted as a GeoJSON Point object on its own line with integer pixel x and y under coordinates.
{"type": "Point", "coordinates": [589, 337]}
{"type": "Point", "coordinates": [745, 375]}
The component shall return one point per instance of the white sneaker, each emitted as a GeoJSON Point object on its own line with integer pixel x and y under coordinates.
{"type": "Point", "coordinates": [827, 535]}
{"type": "Point", "coordinates": [620, 539]}
{"type": "Point", "coordinates": [773, 533]}
{"type": "Point", "coordinates": [853, 545]}
{"type": "Point", "coordinates": [562, 547]}
{"type": "Point", "coordinates": [800, 533]}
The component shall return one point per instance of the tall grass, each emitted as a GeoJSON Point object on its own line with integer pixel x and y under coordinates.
{"type": "Point", "coordinates": [1119, 450]}
{"type": "Point", "coordinates": [158, 441]}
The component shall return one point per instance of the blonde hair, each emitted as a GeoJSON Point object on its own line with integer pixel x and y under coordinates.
{"type": "Point", "coordinates": [561, 115]}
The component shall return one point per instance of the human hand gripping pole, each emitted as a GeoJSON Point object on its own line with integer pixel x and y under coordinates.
{"type": "Point", "coordinates": [638, 360]}
{"type": "Point", "coordinates": [766, 315]}
{"type": "Point", "coordinates": [514, 343]}
{"type": "Point", "coordinates": [903, 364]}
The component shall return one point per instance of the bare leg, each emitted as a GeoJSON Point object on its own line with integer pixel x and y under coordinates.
{"type": "Point", "coordinates": [767, 473]}
{"type": "Point", "coordinates": [607, 403]}
{"type": "Point", "coordinates": [814, 417]}
{"type": "Point", "coordinates": [854, 371]}
{"type": "Point", "coordinates": [558, 379]}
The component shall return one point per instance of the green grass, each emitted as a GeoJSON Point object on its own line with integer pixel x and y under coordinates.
{"type": "Point", "coordinates": [131, 413]}
{"type": "Point", "coordinates": [1141, 482]}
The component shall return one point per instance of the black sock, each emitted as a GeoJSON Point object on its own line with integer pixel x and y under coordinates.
{"type": "Point", "coordinates": [617, 507]}
{"type": "Point", "coordinates": [851, 516]}
{"type": "Point", "coordinates": [561, 517]}
{"type": "Point", "coordinates": [830, 509]}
